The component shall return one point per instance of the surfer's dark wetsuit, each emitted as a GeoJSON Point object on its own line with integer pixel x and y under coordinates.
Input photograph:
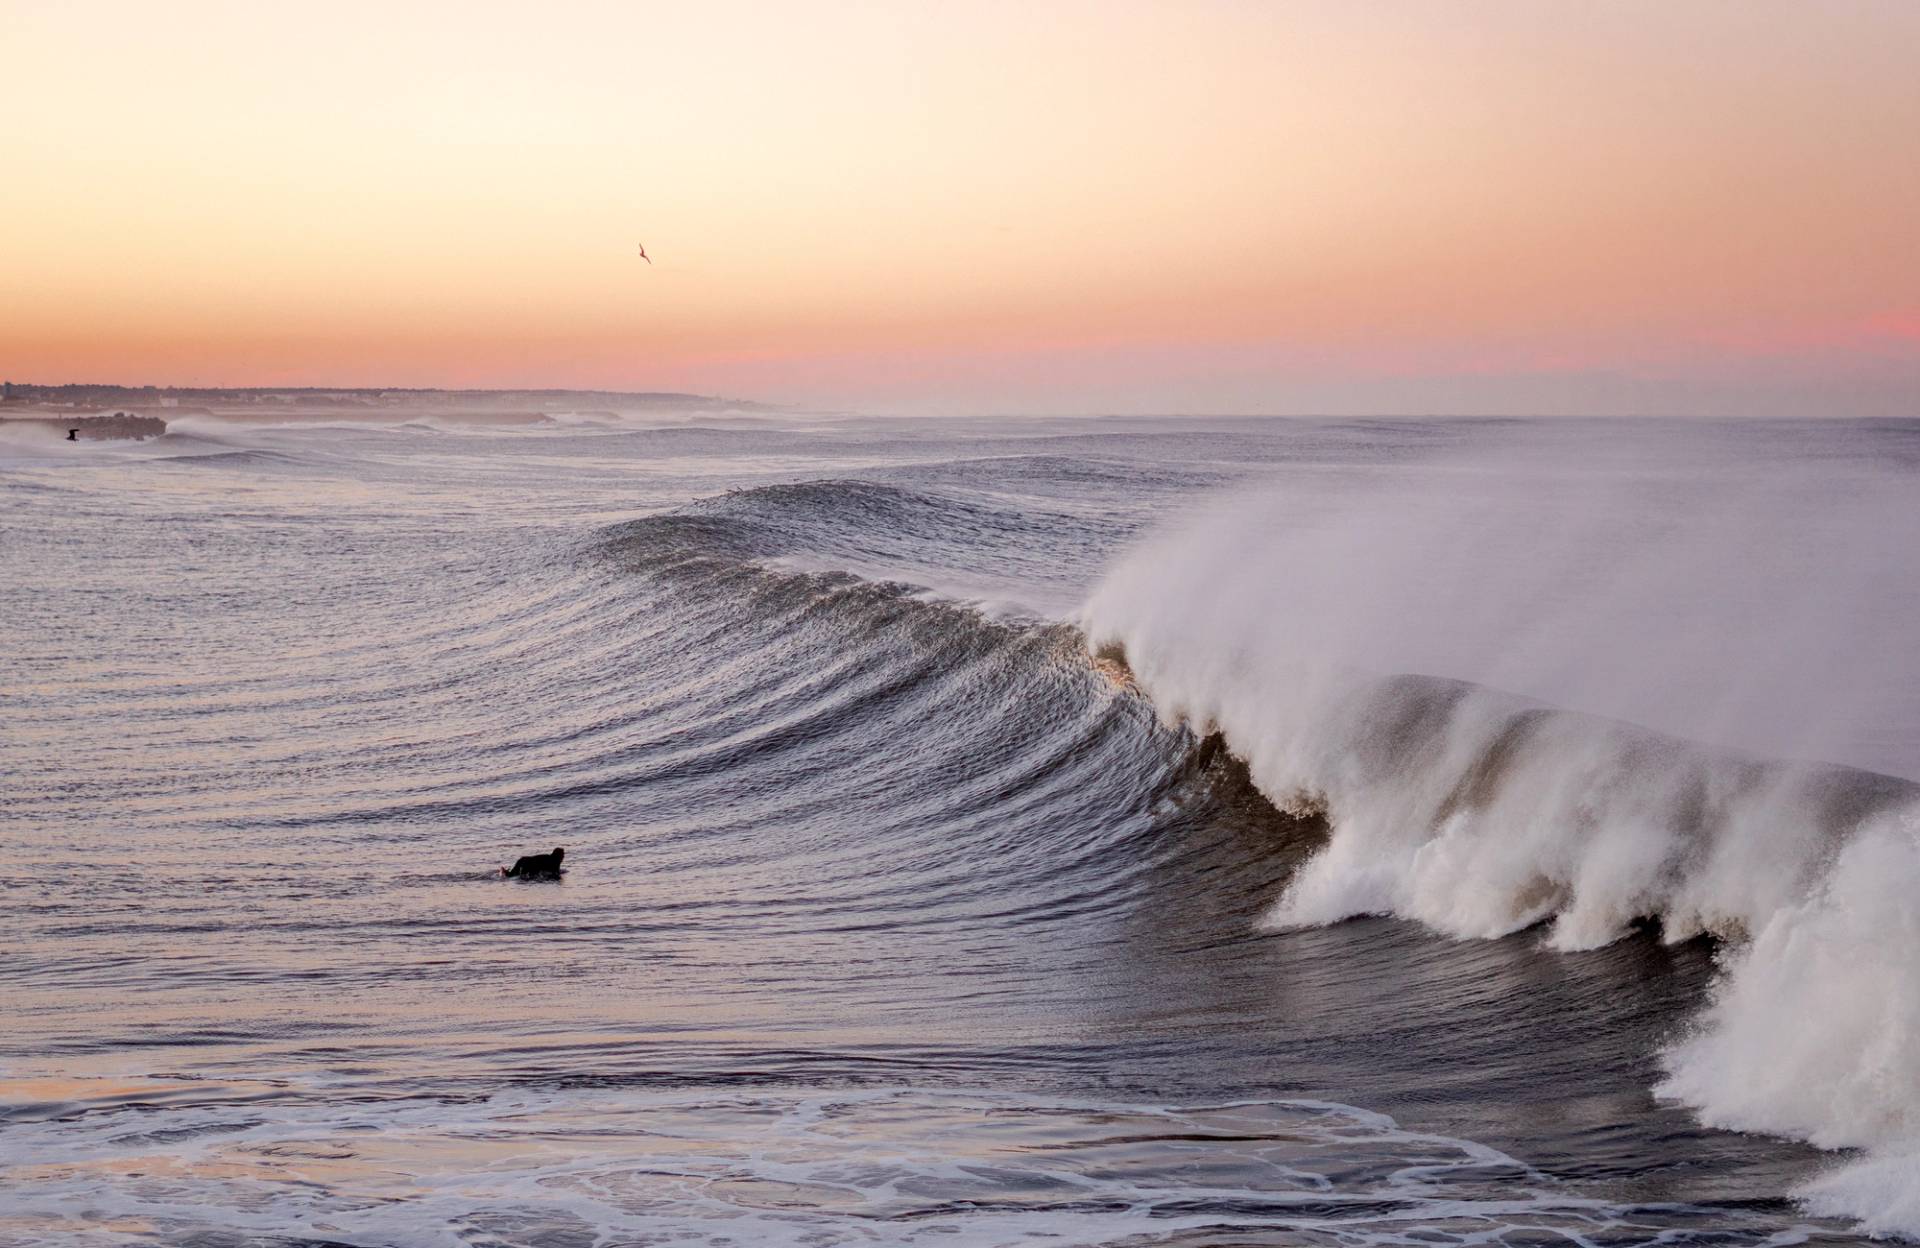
{"type": "Point", "coordinates": [536, 866]}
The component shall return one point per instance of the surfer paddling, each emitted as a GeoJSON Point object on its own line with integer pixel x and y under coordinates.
{"type": "Point", "coordinates": [535, 867]}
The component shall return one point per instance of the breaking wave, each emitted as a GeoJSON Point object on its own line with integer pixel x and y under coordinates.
{"type": "Point", "coordinates": [914, 906]}
{"type": "Point", "coordinates": [1481, 813]}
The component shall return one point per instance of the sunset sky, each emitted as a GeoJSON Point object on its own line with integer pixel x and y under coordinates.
{"type": "Point", "coordinates": [1199, 207]}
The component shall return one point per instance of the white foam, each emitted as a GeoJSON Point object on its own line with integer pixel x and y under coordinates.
{"type": "Point", "coordinates": [1479, 813]}
{"type": "Point", "coordinates": [792, 1167]}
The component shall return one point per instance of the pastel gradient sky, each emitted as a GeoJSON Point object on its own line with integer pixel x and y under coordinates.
{"type": "Point", "coordinates": [1469, 205]}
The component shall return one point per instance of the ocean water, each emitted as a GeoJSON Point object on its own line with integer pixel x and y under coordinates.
{"type": "Point", "coordinates": [988, 832]}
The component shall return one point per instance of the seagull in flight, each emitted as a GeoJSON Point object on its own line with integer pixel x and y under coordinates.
{"type": "Point", "coordinates": [644, 255]}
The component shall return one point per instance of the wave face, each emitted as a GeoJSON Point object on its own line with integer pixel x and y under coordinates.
{"type": "Point", "coordinates": [896, 911]}
{"type": "Point", "coordinates": [1480, 813]}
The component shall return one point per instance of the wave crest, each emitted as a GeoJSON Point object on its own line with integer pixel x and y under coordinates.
{"type": "Point", "coordinates": [1481, 813]}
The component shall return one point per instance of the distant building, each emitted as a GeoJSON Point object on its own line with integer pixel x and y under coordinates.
{"type": "Point", "coordinates": [6, 391]}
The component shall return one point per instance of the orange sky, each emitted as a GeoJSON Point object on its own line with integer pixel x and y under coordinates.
{"type": "Point", "coordinates": [1036, 206]}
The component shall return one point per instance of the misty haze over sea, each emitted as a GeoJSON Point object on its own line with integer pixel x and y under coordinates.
{"type": "Point", "coordinates": [979, 831]}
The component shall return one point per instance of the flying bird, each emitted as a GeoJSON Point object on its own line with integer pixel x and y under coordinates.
{"type": "Point", "coordinates": [644, 255]}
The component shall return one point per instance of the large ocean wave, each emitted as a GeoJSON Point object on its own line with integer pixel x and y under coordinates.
{"type": "Point", "coordinates": [1481, 813]}
{"type": "Point", "coordinates": [872, 832]}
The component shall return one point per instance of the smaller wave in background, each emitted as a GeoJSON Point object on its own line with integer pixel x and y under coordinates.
{"type": "Point", "coordinates": [967, 545]}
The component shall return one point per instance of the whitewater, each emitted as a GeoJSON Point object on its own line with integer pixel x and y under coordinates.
{"type": "Point", "coordinates": [991, 831]}
{"type": "Point", "coordinates": [1759, 606]}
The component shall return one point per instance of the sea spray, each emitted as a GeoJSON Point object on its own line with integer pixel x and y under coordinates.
{"type": "Point", "coordinates": [1745, 610]}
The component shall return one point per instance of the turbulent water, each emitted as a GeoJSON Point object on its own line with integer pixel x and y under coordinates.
{"type": "Point", "coordinates": [979, 833]}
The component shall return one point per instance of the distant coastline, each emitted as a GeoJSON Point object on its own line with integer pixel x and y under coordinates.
{"type": "Point", "coordinates": [98, 395]}
{"type": "Point", "coordinates": [91, 427]}
{"type": "Point", "coordinates": [100, 410]}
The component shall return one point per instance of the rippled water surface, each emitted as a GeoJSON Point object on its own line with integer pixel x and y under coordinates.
{"type": "Point", "coordinates": [893, 915]}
